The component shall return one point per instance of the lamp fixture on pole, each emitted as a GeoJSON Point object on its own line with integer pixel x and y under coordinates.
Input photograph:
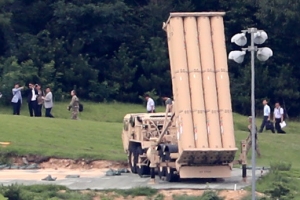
{"type": "Point", "coordinates": [263, 54]}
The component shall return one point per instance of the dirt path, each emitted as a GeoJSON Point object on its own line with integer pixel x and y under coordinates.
{"type": "Point", "coordinates": [168, 194]}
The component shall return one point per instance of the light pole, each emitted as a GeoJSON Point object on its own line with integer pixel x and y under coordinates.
{"type": "Point", "coordinates": [263, 54]}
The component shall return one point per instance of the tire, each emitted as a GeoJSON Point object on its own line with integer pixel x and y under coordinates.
{"type": "Point", "coordinates": [171, 176]}
{"type": "Point", "coordinates": [132, 160]}
{"type": "Point", "coordinates": [143, 169]}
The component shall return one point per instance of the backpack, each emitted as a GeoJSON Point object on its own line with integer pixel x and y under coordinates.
{"type": "Point", "coordinates": [80, 107]}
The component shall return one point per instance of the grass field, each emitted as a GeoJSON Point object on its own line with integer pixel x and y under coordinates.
{"type": "Point", "coordinates": [98, 134]}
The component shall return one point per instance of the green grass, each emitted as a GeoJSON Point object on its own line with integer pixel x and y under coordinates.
{"type": "Point", "coordinates": [42, 192]}
{"type": "Point", "coordinates": [273, 147]}
{"type": "Point", "coordinates": [102, 112]}
{"type": "Point", "coordinates": [2, 197]}
{"type": "Point", "coordinates": [62, 137]}
{"type": "Point", "coordinates": [98, 134]}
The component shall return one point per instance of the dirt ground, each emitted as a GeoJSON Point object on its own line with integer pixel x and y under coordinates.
{"type": "Point", "coordinates": [61, 167]}
{"type": "Point", "coordinates": [81, 164]}
{"type": "Point", "coordinates": [168, 194]}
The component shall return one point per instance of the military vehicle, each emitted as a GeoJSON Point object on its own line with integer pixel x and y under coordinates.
{"type": "Point", "coordinates": [196, 138]}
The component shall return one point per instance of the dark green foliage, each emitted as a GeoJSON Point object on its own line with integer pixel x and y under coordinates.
{"type": "Point", "coordinates": [138, 191]}
{"type": "Point", "coordinates": [278, 183]}
{"type": "Point", "coordinates": [211, 195]}
{"type": "Point", "coordinates": [280, 166]}
{"type": "Point", "coordinates": [207, 195]}
{"type": "Point", "coordinates": [117, 50]}
{"type": "Point", "coordinates": [41, 192]}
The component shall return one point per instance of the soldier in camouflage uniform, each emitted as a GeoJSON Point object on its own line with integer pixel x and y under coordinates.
{"type": "Point", "coordinates": [74, 105]}
{"type": "Point", "coordinates": [249, 139]}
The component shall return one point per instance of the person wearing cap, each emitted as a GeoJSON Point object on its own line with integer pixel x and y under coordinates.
{"type": "Point", "coordinates": [249, 138]}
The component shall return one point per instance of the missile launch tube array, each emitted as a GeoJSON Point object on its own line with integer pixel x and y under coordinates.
{"type": "Point", "coordinates": [200, 81]}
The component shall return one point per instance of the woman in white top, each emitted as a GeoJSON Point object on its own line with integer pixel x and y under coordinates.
{"type": "Point", "coordinates": [278, 117]}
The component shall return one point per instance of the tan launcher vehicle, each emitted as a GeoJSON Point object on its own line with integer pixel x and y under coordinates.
{"type": "Point", "coordinates": [196, 139]}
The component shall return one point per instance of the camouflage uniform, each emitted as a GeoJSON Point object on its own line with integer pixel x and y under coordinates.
{"type": "Point", "coordinates": [74, 106]}
{"type": "Point", "coordinates": [249, 142]}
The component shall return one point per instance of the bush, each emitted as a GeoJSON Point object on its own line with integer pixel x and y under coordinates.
{"type": "Point", "coordinates": [280, 190]}
{"type": "Point", "coordinates": [138, 191]}
{"type": "Point", "coordinates": [207, 195]}
{"type": "Point", "coordinates": [277, 184]}
{"type": "Point", "coordinates": [41, 192]}
{"type": "Point", "coordinates": [280, 166]}
{"type": "Point", "coordinates": [210, 195]}
{"type": "Point", "coordinates": [5, 160]}
{"type": "Point", "coordinates": [11, 192]}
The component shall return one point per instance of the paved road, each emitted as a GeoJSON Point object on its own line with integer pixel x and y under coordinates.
{"type": "Point", "coordinates": [128, 180]}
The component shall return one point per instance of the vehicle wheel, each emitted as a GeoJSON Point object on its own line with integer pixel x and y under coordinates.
{"type": "Point", "coordinates": [142, 169]}
{"type": "Point", "coordinates": [171, 176]}
{"type": "Point", "coordinates": [133, 158]}
{"type": "Point", "coordinates": [162, 172]}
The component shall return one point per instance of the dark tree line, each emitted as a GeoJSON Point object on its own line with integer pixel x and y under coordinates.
{"type": "Point", "coordinates": [116, 49]}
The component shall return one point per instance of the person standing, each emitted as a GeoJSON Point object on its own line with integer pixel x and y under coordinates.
{"type": "Point", "coordinates": [48, 102]}
{"type": "Point", "coordinates": [40, 100]}
{"type": "Point", "coordinates": [150, 104]}
{"type": "Point", "coordinates": [249, 138]}
{"type": "Point", "coordinates": [32, 94]}
{"type": "Point", "coordinates": [74, 105]}
{"type": "Point", "coordinates": [278, 117]}
{"type": "Point", "coordinates": [17, 99]}
{"type": "Point", "coordinates": [267, 115]}
{"type": "Point", "coordinates": [168, 102]}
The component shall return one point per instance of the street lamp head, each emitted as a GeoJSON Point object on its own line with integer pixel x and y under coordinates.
{"type": "Point", "coordinates": [260, 37]}
{"type": "Point", "coordinates": [239, 39]}
{"type": "Point", "coordinates": [237, 56]}
{"type": "Point", "coordinates": [264, 53]}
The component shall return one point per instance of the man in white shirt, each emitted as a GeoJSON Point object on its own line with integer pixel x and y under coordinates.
{"type": "Point", "coordinates": [267, 115]}
{"type": "Point", "coordinates": [150, 104]}
{"type": "Point", "coordinates": [278, 117]}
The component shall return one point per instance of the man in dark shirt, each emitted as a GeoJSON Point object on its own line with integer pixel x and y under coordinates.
{"type": "Point", "coordinates": [32, 94]}
{"type": "Point", "coordinates": [249, 138]}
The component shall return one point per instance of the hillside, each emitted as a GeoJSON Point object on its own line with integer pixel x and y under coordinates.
{"type": "Point", "coordinates": [98, 134]}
